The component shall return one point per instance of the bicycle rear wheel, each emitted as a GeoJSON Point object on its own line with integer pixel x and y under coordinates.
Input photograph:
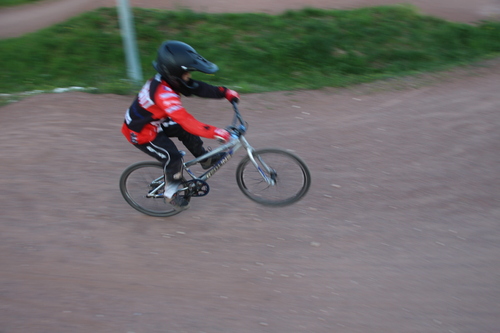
{"type": "Point", "coordinates": [139, 180]}
{"type": "Point", "coordinates": [290, 174]}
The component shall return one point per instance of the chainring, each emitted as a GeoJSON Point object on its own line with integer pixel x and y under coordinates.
{"type": "Point", "coordinates": [197, 188]}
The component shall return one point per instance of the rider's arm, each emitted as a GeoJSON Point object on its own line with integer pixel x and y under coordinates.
{"type": "Point", "coordinates": [170, 102]}
{"type": "Point", "coordinates": [190, 124]}
{"type": "Point", "coordinates": [206, 90]}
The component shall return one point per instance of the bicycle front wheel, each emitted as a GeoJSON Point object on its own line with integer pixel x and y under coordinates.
{"type": "Point", "coordinates": [142, 185]}
{"type": "Point", "coordinates": [288, 178]}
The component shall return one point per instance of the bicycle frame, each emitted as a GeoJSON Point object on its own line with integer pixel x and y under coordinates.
{"type": "Point", "coordinates": [238, 141]}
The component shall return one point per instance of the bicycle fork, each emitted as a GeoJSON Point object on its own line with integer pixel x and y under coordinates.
{"type": "Point", "coordinates": [265, 170]}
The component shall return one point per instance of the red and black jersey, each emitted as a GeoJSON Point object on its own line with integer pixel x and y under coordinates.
{"type": "Point", "coordinates": [157, 103]}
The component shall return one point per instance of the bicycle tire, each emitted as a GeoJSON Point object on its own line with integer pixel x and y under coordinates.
{"type": "Point", "coordinates": [136, 181]}
{"type": "Point", "coordinates": [292, 176]}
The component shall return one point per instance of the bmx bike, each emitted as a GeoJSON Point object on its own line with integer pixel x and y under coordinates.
{"type": "Point", "coordinates": [271, 176]}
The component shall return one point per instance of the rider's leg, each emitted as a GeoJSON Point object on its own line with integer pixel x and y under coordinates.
{"type": "Point", "coordinates": [193, 143]}
{"type": "Point", "coordinates": [165, 151]}
{"type": "Point", "coordinates": [161, 148]}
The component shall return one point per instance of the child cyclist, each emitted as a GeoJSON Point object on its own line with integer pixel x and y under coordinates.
{"type": "Point", "coordinates": [157, 114]}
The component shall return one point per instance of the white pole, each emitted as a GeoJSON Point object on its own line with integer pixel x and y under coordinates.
{"type": "Point", "coordinates": [129, 41]}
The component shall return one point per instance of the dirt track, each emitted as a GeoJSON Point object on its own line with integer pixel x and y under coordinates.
{"type": "Point", "coordinates": [400, 232]}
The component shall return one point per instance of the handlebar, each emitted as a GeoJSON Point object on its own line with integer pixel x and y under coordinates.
{"type": "Point", "coordinates": [237, 115]}
{"type": "Point", "coordinates": [238, 126]}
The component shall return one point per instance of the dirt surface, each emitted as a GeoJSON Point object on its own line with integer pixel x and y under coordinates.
{"type": "Point", "coordinates": [399, 233]}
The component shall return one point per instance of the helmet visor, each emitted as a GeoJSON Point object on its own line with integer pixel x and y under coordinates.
{"type": "Point", "coordinates": [198, 63]}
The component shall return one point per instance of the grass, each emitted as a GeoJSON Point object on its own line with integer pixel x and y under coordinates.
{"type": "Point", "coordinates": [305, 49]}
{"type": "Point", "coordinates": [10, 3]}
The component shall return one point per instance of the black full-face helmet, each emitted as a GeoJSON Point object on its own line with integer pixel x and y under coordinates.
{"type": "Point", "coordinates": [176, 58]}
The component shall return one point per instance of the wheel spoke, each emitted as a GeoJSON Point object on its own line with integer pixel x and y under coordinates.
{"type": "Point", "coordinates": [141, 186]}
{"type": "Point", "coordinates": [290, 175]}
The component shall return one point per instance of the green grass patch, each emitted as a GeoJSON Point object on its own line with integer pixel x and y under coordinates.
{"type": "Point", "coordinates": [305, 49]}
{"type": "Point", "coordinates": [10, 3]}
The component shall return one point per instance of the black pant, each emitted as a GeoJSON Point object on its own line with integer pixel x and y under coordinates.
{"type": "Point", "coordinates": [164, 150]}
